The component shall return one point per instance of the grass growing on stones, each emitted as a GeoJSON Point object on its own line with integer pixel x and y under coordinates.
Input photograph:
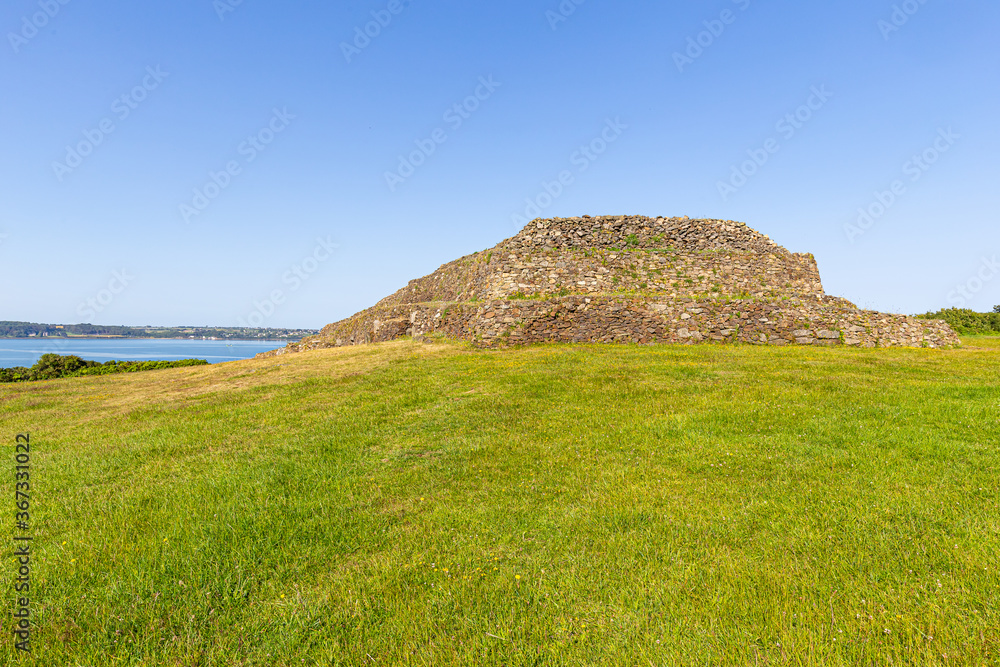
{"type": "Point", "coordinates": [424, 504]}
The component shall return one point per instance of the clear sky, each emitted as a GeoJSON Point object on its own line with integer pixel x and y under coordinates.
{"type": "Point", "coordinates": [197, 162]}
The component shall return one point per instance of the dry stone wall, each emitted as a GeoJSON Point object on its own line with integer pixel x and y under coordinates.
{"type": "Point", "coordinates": [629, 279]}
{"type": "Point", "coordinates": [624, 319]}
{"type": "Point", "coordinates": [507, 272]}
{"type": "Point", "coordinates": [667, 272]}
{"type": "Point", "coordinates": [639, 231]}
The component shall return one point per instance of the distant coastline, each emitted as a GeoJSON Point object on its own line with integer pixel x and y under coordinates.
{"type": "Point", "coordinates": [120, 337]}
{"type": "Point", "coordinates": [246, 340]}
{"type": "Point", "coordinates": [32, 330]}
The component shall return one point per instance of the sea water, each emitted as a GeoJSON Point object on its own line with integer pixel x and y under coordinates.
{"type": "Point", "coordinates": [26, 351]}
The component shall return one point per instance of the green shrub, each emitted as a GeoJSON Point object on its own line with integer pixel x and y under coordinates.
{"type": "Point", "coordinates": [967, 322]}
{"type": "Point", "coordinates": [53, 366]}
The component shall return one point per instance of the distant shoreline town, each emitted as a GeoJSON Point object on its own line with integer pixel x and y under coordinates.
{"type": "Point", "coordinates": [78, 331]}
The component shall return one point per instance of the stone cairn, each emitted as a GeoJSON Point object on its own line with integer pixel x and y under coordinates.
{"type": "Point", "coordinates": [629, 279]}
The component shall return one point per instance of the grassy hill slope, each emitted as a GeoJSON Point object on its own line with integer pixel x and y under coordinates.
{"type": "Point", "coordinates": [555, 505]}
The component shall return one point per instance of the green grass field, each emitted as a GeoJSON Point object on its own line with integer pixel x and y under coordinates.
{"type": "Point", "coordinates": [412, 504]}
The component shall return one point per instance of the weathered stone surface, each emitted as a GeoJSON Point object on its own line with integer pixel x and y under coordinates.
{"type": "Point", "coordinates": [629, 279]}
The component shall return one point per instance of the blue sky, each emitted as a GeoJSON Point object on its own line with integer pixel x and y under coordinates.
{"type": "Point", "coordinates": [200, 162]}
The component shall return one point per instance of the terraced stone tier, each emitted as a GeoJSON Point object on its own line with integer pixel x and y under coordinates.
{"type": "Point", "coordinates": [629, 279]}
{"type": "Point", "coordinates": [621, 319]}
{"type": "Point", "coordinates": [509, 272]}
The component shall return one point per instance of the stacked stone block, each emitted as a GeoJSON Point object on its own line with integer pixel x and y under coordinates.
{"type": "Point", "coordinates": [630, 279]}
